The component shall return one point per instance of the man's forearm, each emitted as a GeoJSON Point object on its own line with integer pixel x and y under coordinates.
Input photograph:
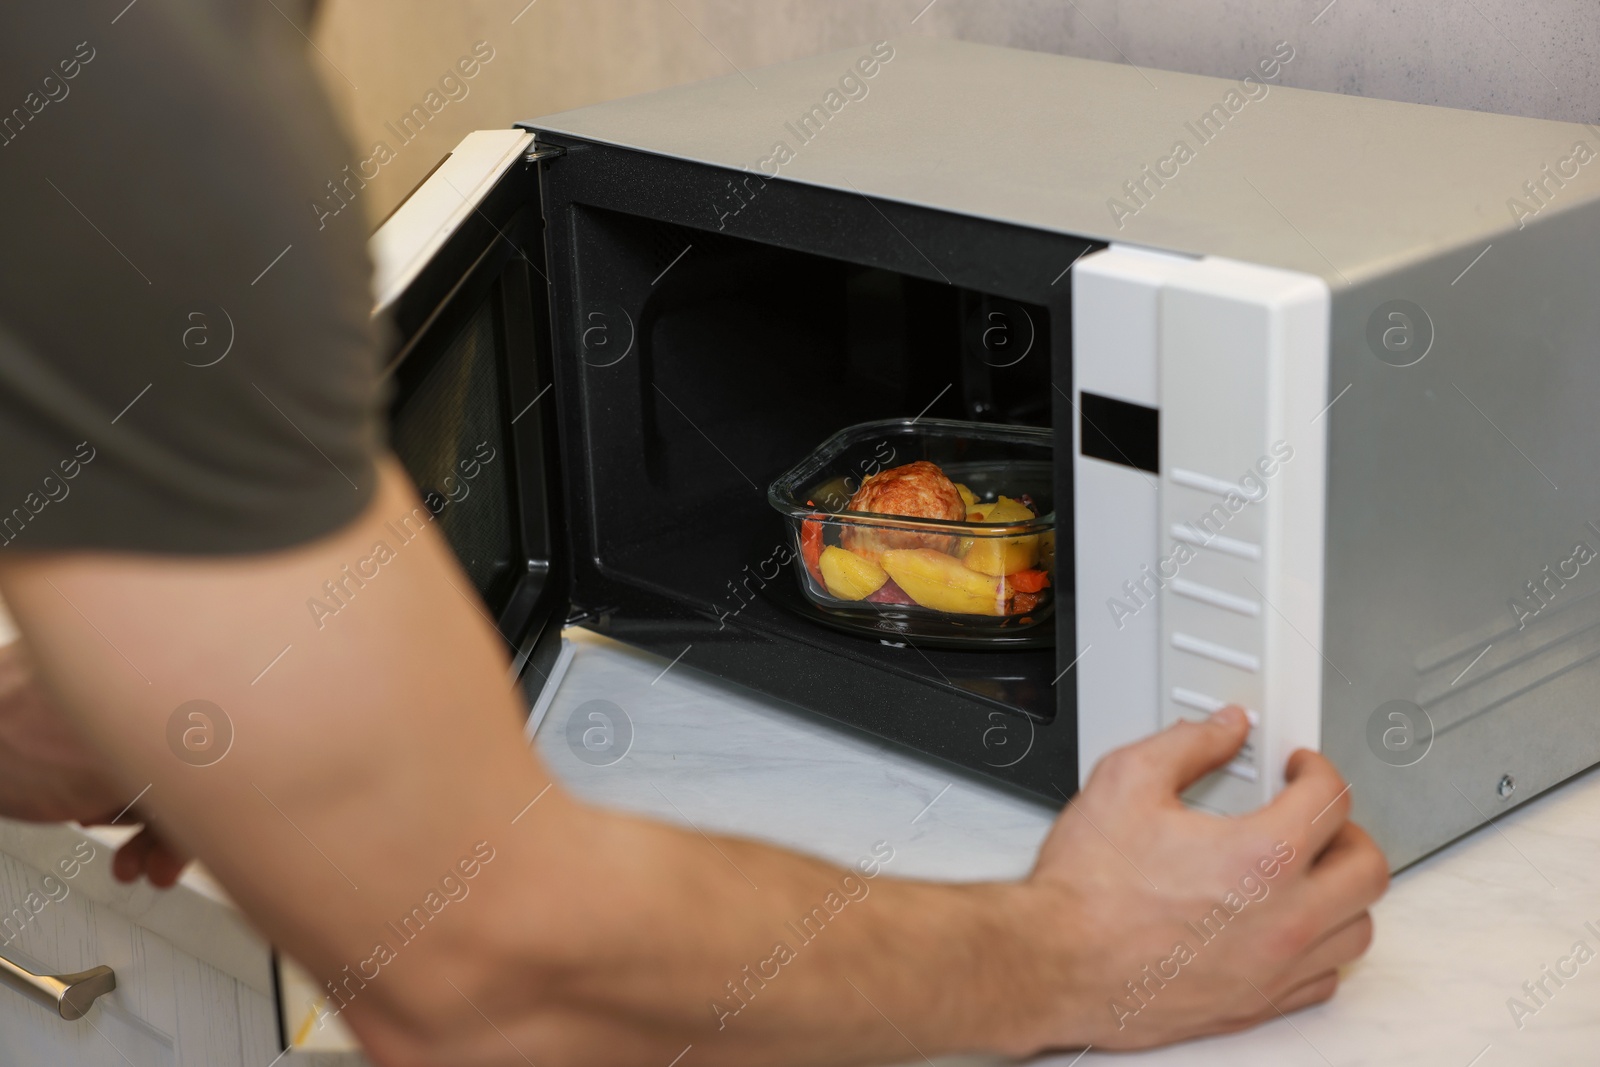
{"type": "Point", "coordinates": [661, 938]}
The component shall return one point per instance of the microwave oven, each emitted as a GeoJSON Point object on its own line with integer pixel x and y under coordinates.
{"type": "Point", "coordinates": [1320, 373]}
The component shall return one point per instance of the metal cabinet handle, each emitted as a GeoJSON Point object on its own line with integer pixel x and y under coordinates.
{"type": "Point", "coordinates": [69, 995]}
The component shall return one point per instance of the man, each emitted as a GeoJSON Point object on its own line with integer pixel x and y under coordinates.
{"type": "Point", "coordinates": [190, 426]}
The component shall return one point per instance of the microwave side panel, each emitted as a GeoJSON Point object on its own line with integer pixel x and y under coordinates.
{"type": "Point", "coordinates": [1463, 552]}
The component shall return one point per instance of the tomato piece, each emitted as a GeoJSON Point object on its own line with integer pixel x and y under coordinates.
{"type": "Point", "coordinates": [1022, 603]}
{"type": "Point", "coordinates": [811, 548]}
{"type": "Point", "coordinates": [1029, 581]}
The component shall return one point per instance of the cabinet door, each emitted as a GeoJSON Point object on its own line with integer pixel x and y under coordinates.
{"type": "Point", "coordinates": [168, 1010]}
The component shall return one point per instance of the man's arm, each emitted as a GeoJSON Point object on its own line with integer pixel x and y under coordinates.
{"type": "Point", "coordinates": [382, 752]}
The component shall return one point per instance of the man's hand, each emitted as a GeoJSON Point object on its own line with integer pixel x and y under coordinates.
{"type": "Point", "coordinates": [47, 774]}
{"type": "Point", "coordinates": [1185, 924]}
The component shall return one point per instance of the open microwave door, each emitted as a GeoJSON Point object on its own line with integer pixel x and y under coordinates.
{"type": "Point", "coordinates": [460, 280]}
{"type": "Point", "coordinates": [459, 284]}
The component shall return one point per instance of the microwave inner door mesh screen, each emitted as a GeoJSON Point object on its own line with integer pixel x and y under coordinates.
{"type": "Point", "coordinates": [450, 432]}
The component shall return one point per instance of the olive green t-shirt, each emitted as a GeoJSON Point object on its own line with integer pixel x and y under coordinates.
{"type": "Point", "coordinates": [187, 363]}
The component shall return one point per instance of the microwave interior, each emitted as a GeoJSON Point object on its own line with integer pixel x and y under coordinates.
{"type": "Point", "coordinates": [647, 343]}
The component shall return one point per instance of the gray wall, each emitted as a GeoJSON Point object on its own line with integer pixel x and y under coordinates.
{"type": "Point", "coordinates": [380, 56]}
{"type": "Point", "coordinates": [1534, 58]}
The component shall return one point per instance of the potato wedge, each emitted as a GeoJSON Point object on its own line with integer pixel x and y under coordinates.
{"type": "Point", "coordinates": [849, 576]}
{"type": "Point", "coordinates": [939, 581]}
{"type": "Point", "coordinates": [1001, 555]}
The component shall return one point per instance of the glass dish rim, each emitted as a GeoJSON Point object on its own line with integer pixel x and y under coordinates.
{"type": "Point", "coordinates": [779, 497]}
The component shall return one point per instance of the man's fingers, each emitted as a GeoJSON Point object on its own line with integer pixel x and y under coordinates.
{"type": "Point", "coordinates": [1342, 945]}
{"type": "Point", "coordinates": [1312, 807]}
{"type": "Point", "coordinates": [1349, 877]}
{"type": "Point", "coordinates": [165, 864]}
{"type": "Point", "coordinates": [129, 862]}
{"type": "Point", "coordinates": [1180, 755]}
{"type": "Point", "coordinates": [145, 853]}
{"type": "Point", "coordinates": [1264, 1009]}
{"type": "Point", "coordinates": [164, 867]}
{"type": "Point", "coordinates": [1312, 991]}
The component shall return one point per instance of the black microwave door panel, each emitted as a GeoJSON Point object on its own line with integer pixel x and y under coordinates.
{"type": "Point", "coordinates": [472, 408]}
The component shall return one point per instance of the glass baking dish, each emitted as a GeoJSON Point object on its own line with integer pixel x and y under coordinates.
{"type": "Point", "coordinates": [985, 580]}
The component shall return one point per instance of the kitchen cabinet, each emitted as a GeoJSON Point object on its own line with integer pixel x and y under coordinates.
{"type": "Point", "coordinates": [194, 984]}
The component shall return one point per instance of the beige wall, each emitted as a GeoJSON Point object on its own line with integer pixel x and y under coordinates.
{"type": "Point", "coordinates": [382, 56]}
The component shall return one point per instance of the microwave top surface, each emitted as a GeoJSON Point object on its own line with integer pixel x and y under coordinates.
{"type": "Point", "coordinates": [1342, 187]}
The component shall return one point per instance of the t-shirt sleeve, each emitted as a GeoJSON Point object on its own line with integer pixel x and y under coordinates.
{"type": "Point", "coordinates": [187, 360]}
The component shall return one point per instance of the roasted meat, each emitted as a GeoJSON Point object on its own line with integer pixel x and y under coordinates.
{"type": "Point", "coordinates": [917, 490]}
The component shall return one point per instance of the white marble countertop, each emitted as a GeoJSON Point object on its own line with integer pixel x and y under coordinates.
{"type": "Point", "coordinates": [1457, 934]}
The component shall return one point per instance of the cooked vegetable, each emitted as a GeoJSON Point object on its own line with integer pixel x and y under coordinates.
{"type": "Point", "coordinates": [811, 546]}
{"type": "Point", "coordinates": [890, 594]}
{"type": "Point", "coordinates": [1000, 555]}
{"type": "Point", "coordinates": [936, 580]}
{"type": "Point", "coordinates": [1028, 581]}
{"type": "Point", "coordinates": [848, 576]}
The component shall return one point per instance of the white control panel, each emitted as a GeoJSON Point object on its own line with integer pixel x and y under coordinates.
{"type": "Point", "coordinates": [1212, 594]}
